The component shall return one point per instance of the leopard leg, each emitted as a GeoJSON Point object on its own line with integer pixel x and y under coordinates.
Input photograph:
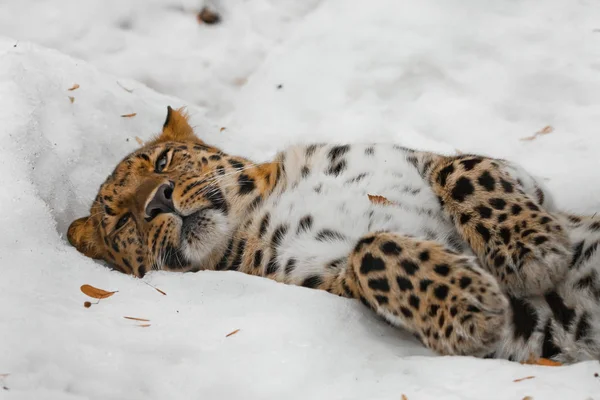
{"type": "Point", "coordinates": [452, 305]}
{"type": "Point", "coordinates": [563, 324]}
{"type": "Point", "coordinates": [524, 246]}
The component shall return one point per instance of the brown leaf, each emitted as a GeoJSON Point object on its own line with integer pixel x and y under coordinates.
{"type": "Point", "coordinates": [524, 379]}
{"type": "Point", "coordinates": [155, 288]}
{"type": "Point", "coordinates": [144, 325]}
{"type": "Point", "coordinates": [232, 333]}
{"type": "Point", "coordinates": [376, 199]}
{"type": "Point", "coordinates": [140, 141]}
{"type": "Point", "coordinates": [74, 87]}
{"type": "Point", "coordinates": [208, 16]}
{"type": "Point", "coordinates": [527, 398]}
{"type": "Point", "coordinates": [72, 99]}
{"type": "Point", "coordinates": [222, 129]}
{"type": "Point", "coordinates": [529, 138]}
{"type": "Point", "coordinates": [137, 319]}
{"type": "Point", "coordinates": [95, 292]}
{"type": "Point", "coordinates": [404, 397]}
{"type": "Point", "coordinates": [544, 131]}
{"type": "Point", "coordinates": [548, 363]}
{"type": "Point", "coordinates": [542, 361]}
{"type": "Point", "coordinates": [128, 115]}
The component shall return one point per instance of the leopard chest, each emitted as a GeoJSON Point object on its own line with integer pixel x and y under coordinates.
{"type": "Point", "coordinates": [325, 209]}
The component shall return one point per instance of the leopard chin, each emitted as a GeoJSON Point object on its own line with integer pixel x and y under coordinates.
{"type": "Point", "coordinates": [202, 233]}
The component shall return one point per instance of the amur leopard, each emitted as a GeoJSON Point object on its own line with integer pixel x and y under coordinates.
{"type": "Point", "coordinates": [468, 253]}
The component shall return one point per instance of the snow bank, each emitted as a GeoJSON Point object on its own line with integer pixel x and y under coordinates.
{"type": "Point", "coordinates": [160, 42]}
{"type": "Point", "coordinates": [445, 76]}
{"type": "Point", "coordinates": [430, 74]}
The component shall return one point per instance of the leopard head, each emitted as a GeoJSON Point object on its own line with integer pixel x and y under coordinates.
{"type": "Point", "coordinates": [173, 204]}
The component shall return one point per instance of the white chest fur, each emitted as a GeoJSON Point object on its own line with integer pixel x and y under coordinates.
{"type": "Point", "coordinates": [329, 185]}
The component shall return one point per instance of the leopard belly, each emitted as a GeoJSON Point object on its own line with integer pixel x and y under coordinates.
{"type": "Point", "coordinates": [326, 208]}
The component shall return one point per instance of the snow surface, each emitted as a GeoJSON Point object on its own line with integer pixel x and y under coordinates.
{"type": "Point", "coordinates": [442, 75]}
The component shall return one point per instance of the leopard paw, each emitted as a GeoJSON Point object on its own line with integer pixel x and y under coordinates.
{"type": "Point", "coordinates": [474, 320]}
{"type": "Point", "coordinates": [534, 254]}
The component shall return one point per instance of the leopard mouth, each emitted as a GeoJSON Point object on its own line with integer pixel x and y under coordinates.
{"type": "Point", "coordinates": [175, 259]}
{"type": "Point", "coordinates": [201, 233]}
{"type": "Point", "coordinates": [191, 224]}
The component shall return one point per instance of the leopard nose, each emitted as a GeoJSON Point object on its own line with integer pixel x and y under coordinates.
{"type": "Point", "coordinates": [162, 202]}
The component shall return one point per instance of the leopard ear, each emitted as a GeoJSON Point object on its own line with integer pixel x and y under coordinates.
{"type": "Point", "coordinates": [84, 237]}
{"type": "Point", "coordinates": [176, 127]}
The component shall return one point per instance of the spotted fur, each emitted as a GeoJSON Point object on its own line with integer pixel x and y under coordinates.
{"type": "Point", "coordinates": [515, 239]}
{"type": "Point", "coordinates": [470, 254]}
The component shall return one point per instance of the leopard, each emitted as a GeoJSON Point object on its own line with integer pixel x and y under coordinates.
{"type": "Point", "coordinates": [466, 252]}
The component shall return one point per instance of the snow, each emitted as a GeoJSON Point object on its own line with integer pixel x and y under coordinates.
{"type": "Point", "coordinates": [442, 75]}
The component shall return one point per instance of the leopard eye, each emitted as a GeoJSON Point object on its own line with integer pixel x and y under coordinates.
{"type": "Point", "coordinates": [122, 221]}
{"type": "Point", "coordinates": [161, 162]}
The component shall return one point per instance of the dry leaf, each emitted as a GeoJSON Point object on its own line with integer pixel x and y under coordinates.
{"type": "Point", "coordinates": [208, 16]}
{"type": "Point", "coordinates": [140, 141]}
{"type": "Point", "coordinates": [542, 361]}
{"type": "Point", "coordinates": [529, 138]}
{"type": "Point", "coordinates": [124, 88]}
{"type": "Point", "coordinates": [128, 115]}
{"type": "Point", "coordinates": [137, 319]}
{"type": "Point", "coordinates": [155, 288]}
{"type": "Point", "coordinates": [527, 398]}
{"type": "Point", "coordinates": [548, 363]}
{"type": "Point", "coordinates": [87, 304]}
{"type": "Point", "coordinates": [232, 333]}
{"type": "Point", "coordinates": [524, 379]}
{"type": "Point", "coordinates": [376, 199]}
{"type": "Point", "coordinates": [74, 87]}
{"type": "Point", "coordinates": [144, 325]}
{"type": "Point", "coordinates": [544, 131]}
{"type": "Point", "coordinates": [222, 129]}
{"type": "Point", "coordinates": [404, 397]}
{"type": "Point", "coordinates": [72, 99]}
{"type": "Point", "coordinates": [95, 292]}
